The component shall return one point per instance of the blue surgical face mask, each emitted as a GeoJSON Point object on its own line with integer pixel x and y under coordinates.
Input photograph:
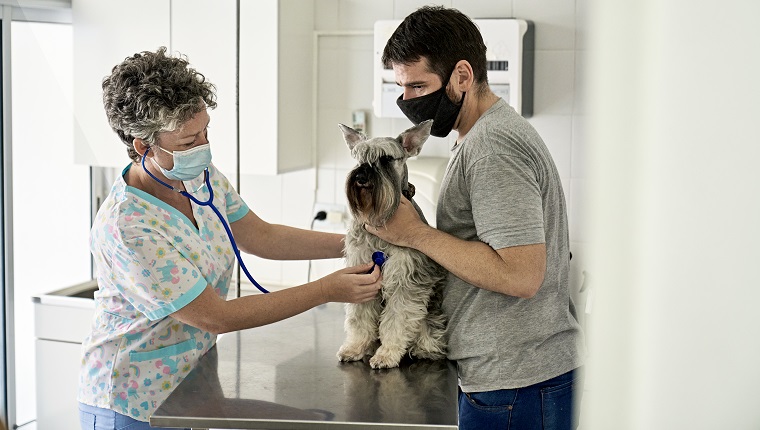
{"type": "Point", "coordinates": [188, 164]}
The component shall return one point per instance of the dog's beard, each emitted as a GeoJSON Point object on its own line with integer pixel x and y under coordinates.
{"type": "Point", "coordinates": [373, 194]}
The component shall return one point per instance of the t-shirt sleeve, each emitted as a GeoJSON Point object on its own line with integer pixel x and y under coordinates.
{"type": "Point", "coordinates": [236, 208]}
{"type": "Point", "coordinates": [506, 201]}
{"type": "Point", "coordinates": [154, 276]}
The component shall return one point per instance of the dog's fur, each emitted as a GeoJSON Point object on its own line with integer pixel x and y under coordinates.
{"type": "Point", "coordinates": [406, 316]}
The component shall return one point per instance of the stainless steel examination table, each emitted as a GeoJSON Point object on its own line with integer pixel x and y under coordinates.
{"type": "Point", "coordinates": [287, 376]}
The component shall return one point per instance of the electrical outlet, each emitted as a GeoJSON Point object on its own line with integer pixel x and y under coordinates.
{"type": "Point", "coordinates": [335, 217]}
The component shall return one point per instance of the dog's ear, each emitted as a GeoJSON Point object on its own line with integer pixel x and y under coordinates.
{"type": "Point", "coordinates": [351, 136]}
{"type": "Point", "coordinates": [413, 138]}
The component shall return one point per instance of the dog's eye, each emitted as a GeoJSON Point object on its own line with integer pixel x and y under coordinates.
{"type": "Point", "coordinates": [385, 159]}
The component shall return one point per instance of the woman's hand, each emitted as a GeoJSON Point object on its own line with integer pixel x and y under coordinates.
{"type": "Point", "coordinates": [352, 284]}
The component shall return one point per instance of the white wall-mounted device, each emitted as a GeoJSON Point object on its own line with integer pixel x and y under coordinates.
{"type": "Point", "coordinates": [510, 50]}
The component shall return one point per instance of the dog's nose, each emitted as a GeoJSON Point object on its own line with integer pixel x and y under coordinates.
{"type": "Point", "coordinates": [361, 179]}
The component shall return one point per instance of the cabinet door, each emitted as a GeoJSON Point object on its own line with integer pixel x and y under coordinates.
{"type": "Point", "coordinates": [57, 384]}
{"type": "Point", "coordinates": [105, 33]}
{"type": "Point", "coordinates": [276, 88]}
{"type": "Point", "coordinates": [206, 32]}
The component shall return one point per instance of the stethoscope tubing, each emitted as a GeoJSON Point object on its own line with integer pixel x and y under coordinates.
{"type": "Point", "coordinates": [210, 204]}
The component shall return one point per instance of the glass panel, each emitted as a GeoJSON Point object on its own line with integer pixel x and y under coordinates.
{"type": "Point", "coordinates": [51, 195]}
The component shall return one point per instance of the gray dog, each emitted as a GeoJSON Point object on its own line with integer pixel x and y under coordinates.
{"type": "Point", "coordinates": [406, 316]}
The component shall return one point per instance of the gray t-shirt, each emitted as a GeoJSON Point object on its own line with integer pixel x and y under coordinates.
{"type": "Point", "coordinates": [501, 187]}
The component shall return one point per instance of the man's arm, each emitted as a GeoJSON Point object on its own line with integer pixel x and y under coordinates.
{"type": "Point", "coordinates": [516, 271]}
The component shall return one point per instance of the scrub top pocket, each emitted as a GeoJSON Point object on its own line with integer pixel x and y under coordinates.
{"type": "Point", "coordinates": [153, 375]}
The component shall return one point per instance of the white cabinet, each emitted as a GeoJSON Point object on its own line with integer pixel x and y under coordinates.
{"type": "Point", "coordinates": [62, 320]}
{"type": "Point", "coordinates": [260, 61]}
{"type": "Point", "coordinates": [276, 88]}
{"type": "Point", "coordinates": [105, 33]}
{"type": "Point", "coordinates": [206, 32]}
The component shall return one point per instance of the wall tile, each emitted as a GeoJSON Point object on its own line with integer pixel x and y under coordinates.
{"type": "Point", "coordinates": [326, 15]}
{"type": "Point", "coordinates": [380, 126]}
{"type": "Point", "coordinates": [266, 272]}
{"type": "Point", "coordinates": [331, 90]}
{"type": "Point", "coordinates": [327, 185]}
{"type": "Point", "coordinates": [322, 268]}
{"type": "Point", "coordinates": [577, 213]}
{"type": "Point", "coordinates": [554, 86]}
{"type": "Point", "coordinates": [579, 162]}
{"type": "Point", "coordinates": [556, 131]}
{"type": "Point", "coordinates": [402, 8]}
{"type": "Point", "coordinates": [294, 273]}
{"type": "Point", "coordinates": [263, 194]}
{"type": "Point", "coordinates": [345, 68]}
{"type": "Point", "coordinates": [298, 197]}
{"type": "Point", "coordinates": [340, 183]}
{"type": "Point", "coordinates": [331, 148]}
{"type": "Point", "coordinates": [554, 21]}
{"type": "Point", "coordinates": [484, 9]}
{"type": "Point", "coordinates": [362, 14]}
{"type": "Point", "coordinates": [579, 95]}
{"type": "Point", "coordinates": [581, 17]}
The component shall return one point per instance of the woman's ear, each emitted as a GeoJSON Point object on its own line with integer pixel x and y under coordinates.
{"type": "Point", "coordinates": [140, 146]}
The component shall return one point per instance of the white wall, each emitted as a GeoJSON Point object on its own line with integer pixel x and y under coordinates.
{"type": "Point", "coordinates": [674, 213]}
{"type": "Point", "coordinates": [344, 72]}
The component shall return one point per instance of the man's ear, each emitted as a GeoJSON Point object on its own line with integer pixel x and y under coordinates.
{"type": "Point", "coordinates": [140, 146]}
{"type": "Point", "coordinates": [463, 76]}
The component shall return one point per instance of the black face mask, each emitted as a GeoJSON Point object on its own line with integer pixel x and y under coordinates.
{"type": "Point", "coordinates": [436, 106]}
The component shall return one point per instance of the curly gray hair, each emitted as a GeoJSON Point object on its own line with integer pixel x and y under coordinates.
{"type": "Point", "coordinates": [150, 92]}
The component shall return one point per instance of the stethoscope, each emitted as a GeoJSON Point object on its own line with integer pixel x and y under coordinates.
{"type": "Point", "coordinates": [210, 204]}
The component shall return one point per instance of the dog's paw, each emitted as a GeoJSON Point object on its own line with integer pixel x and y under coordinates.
{"type": "Point", "coordinates": [350, 353]}
{"type": "Point", "coordinates": [385, 358]}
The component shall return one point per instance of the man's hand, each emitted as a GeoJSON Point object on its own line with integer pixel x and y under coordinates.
{"type": "Point", "coordinates": [404, 227]}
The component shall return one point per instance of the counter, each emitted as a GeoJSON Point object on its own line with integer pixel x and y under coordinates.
{"type": "Point", "coordinates": [287, 376]}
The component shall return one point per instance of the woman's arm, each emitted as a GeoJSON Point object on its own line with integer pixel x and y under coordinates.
{"type": "Point", "coordinates": [212, 313]}
{"type": "Point", "coordinates": [280, 242]}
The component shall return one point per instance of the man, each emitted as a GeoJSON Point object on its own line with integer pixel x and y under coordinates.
{"type": "Point", "coordinates": [502, 232]}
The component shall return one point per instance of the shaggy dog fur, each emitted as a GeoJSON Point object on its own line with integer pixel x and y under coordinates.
{"type": "Point", "coordinates": [406, 316]}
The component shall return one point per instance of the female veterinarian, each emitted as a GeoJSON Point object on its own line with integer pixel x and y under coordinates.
{"type": "Point", "coordinates": [164, 255]}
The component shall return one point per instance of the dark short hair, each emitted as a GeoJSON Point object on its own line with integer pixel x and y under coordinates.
{"type": "Point", "coordinates": [149, 93]}
{"type": "Point", "coordinates": [443, 36]}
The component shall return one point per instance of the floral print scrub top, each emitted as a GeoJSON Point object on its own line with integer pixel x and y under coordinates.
{"type": "Point", "coordinates": [151, 261]}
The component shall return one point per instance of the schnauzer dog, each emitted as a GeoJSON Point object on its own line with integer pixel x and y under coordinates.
{"type": "Point", "coordinates": [406, 316]}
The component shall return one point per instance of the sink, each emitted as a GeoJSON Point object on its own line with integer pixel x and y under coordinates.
{"type": "Point", "coordinates": [79, 295]}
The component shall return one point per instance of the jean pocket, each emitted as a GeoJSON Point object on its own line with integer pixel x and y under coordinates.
{"type": "Point", "coordinates": [86, 420]}
{"type": "Point", "coordinates": [557, 406]}
{"type": "Point", "coordinates": [499, 400]}
{"type": "Point", "coordinates": [558, 390]}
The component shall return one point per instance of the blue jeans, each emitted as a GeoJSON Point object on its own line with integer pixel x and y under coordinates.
{"type": "Point", "coordinates": [94, 418]}
{"type": "Point", "coordinates": [547, 405]}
